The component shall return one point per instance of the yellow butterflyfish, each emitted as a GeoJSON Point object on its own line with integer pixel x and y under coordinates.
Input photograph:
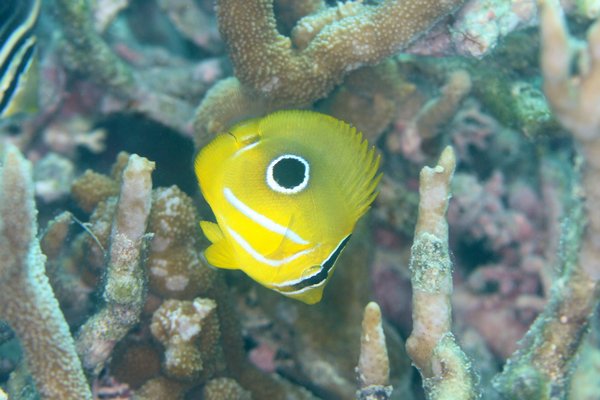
{"type": "Point", "coordinates": [286, 191]}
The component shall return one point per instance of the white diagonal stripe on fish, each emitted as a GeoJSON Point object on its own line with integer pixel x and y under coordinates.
{"type": "Point", "coordinates": [260, 219]}
{"type": "Point", "coordinates": [259, 257]}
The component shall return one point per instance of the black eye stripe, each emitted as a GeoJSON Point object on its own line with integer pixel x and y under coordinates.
{"type": "Point", "coordinates": [322, 274]}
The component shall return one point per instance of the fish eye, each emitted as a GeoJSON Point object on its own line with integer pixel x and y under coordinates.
{"type": "Point", "coordinates": [288, 174]}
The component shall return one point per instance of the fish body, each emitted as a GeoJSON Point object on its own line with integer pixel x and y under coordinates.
{"type": "Point", "coordinates": [18, 72]}
{"type": "Point", "coordinates": [286, 191]}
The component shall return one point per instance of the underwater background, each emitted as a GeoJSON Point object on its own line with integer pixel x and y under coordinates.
{"type": "Point", "coordinates": [473, 275]}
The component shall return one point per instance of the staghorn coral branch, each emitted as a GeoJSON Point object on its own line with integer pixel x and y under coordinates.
{"type": "Point", "coordinates": [228, 101]}
{"type": "Point", "coordinates": [265, 60]}
{"type": "Point", "coordinates": [84, 51]}
{"type": "Point", "coordinates": [272, 73]}
{"type": "Point", "coordinates": [427, 123]}
{"type": "Point", "coordinates": [574, 101]}
{"type": "Point", "coordinates": [541, 368]}
{"type": "Point", "coordinates": [439, 110]}
{"type": "Point", "coordinates": [27, 302]}
{"type": "Point", "coordinates": [446, 370]}
{"type": "Point", "coordinates": [192, 22]}
{"type": "Point", "coordinates": [125, 284]}
{"type": "Point", "coordinates": [87, 51]}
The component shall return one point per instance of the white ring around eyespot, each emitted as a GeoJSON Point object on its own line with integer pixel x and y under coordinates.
{"type": "Point", "coordinates": [276, 186]}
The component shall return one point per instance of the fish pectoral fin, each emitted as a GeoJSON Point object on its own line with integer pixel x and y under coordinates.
{"type": "Point", "coordinates": [220, 255]}
{"type": "Point", "coordinates": [286, 246]}
{"type": "Point", "coordinates": [212, 231]}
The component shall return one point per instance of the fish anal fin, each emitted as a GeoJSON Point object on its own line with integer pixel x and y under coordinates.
{"type": "Point", "coordinates": [212, 231]}
{"type": "Point", "coordinates": [220, 255]}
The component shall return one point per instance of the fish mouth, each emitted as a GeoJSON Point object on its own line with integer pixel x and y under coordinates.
{"type": "Point", "coordinates": [317, 279]}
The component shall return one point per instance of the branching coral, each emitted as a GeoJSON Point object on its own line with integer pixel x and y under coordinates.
{"type": "Point", "coordinates": [541, 368]}
{"type": "Point", "coordinates": [27, 302]}
{"type": "Point", "coordinates": [161, 301]}
{"type": "Point", "coordinates": [361, 34]}
{"type": "Point", "coordinates": [334, 42]}
{"type": "Point", "coordinates": [175, 268]}
{"type": "Point", "coordinates": [187, 16]}
{"type": "Point", "coordinates": [85, 51]}
{"type": "Point", "coordinates": [369, 98]}
{"type": "Point", "coordinates": [432, 116]}
{"type": "Point", "coordinates": [225, 389]}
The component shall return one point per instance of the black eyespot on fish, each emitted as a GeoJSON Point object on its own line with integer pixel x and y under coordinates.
{"type": "Point", "coordinates": [288, 174]}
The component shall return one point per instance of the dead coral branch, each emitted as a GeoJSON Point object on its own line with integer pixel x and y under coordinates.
{"type": "Point", "coordinates": [446, 370]}
{"type": "Point", "coordinates": [125, 283]}
{"type": "Point", "coordinates": [373, 364]}
{"type": "Point", "coordinates": [27, 302]}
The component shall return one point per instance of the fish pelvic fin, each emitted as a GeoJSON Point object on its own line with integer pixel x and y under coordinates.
{"type": "Point", "coordinates": [221, 255]}
{"type": "Point", "coordinates": [212, 231]}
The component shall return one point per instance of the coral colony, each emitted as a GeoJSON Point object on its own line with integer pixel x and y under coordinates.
{"type": "Point", "coordinates": [474, 274]}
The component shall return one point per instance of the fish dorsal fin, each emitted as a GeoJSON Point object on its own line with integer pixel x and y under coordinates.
{"type": "Point", "coordinates": [212, 231]}
{"type": "Point", "coordinates": [337, 150]}
{"type": "Point", "coordinates": [360, 183]}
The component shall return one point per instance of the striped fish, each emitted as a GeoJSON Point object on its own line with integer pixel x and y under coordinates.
{"type": "Point", "coordinates": [18, 78]}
